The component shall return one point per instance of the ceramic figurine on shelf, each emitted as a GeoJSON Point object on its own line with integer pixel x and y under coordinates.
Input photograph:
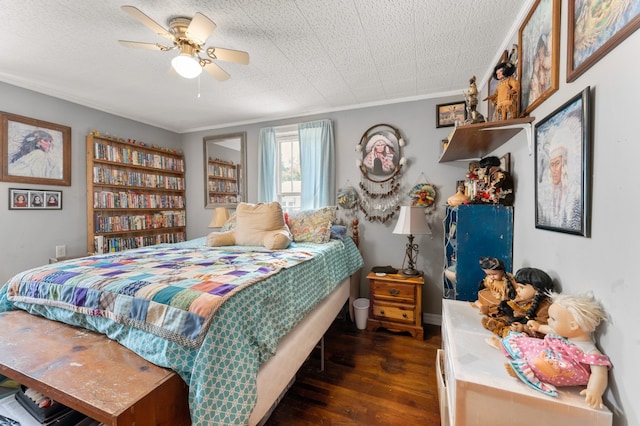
{"type": "Point", "coordinates": [459, 197]}
{"type": "Point", "coordinates": [505, 97]}
{"type": "Point", "coordinates": [567, 356]}
{"type": "Point", "coordinates": [471, 99]}
{"type": "Point", "coordinates": [530, 303]}
{"type": "Point", "coordinates": [497, 285]}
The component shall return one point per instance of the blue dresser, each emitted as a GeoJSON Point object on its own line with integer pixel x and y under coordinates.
{"type": "Point", "coordinates": [472, 231]}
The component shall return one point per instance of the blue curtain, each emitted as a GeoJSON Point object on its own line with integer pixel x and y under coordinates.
{"type": "Point", "coordinates": [317, 162]}
{"type": "Point", "coordinates": [267, 165]}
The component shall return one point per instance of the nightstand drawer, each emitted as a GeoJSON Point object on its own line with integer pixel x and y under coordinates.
{"type": "Point", "coordinates": [395, 313]}
{"type": "Point", "coordinates": [385, 290]}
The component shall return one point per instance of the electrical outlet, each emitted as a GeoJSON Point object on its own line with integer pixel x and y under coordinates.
{"type": "Point", "coordinates": [61, 251]}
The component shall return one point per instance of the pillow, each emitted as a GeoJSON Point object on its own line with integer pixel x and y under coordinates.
{"type": "Point", "coordinates": [261, 225]}
{"type": "Point", "coordinates": [338, 232]}
{"type": "Point", "coordinates": [230, 223]}
{"type": "Point", "coordinates": [218, 239]}
{"type": "Point", "coordinates": [312, 226]}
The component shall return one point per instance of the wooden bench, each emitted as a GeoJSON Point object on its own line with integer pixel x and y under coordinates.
{"type": "Point", "coordinates": [90, 373]}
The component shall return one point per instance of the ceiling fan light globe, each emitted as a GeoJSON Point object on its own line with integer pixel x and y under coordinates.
{"type": "Point", "coordinates": [186, 65]}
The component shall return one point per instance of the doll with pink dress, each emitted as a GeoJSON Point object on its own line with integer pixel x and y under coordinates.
{"type": "Point", "coordinates": [567, 356]}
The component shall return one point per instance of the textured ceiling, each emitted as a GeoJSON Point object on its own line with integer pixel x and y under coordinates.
{"type": "Point", "coordinates": [306, 56]}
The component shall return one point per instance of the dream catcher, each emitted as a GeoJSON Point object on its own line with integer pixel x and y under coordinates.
{"type": "Point", "coordinates": [380, 165]}
{"type": "Point", "coordinates": [424, 194]}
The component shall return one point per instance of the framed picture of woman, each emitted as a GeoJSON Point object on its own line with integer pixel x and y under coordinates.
{"type": "Point", "coordinates": [35, 151]}
{"type": "Point", "coordinates": [539, 42]}
{"type": "Point", "coordinates": [380, 153]}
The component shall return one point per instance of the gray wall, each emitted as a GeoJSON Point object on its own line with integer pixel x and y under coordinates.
{"type": "Point", "coordinates": [28, 238]}
{"type": "Point", "coordinates": [602, 263]}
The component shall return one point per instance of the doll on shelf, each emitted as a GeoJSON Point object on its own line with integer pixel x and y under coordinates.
{"type": "Point", "coordinates": [530, 303]}
{"type": "Point", "coordinates": [567, 356]}
{"type": "Point", "coordinates": [496, 184]}
{"type": "Point", "coordinates": [505, 97]}
{"type": "Point", "coordinates": [497, 285]}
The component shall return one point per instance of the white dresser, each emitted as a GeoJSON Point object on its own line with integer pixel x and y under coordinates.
{"type": "Point", "coordinates": [475, 389]}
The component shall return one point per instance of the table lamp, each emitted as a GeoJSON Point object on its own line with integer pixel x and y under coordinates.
{"type": "Point", "coordinates": [411, 221]}
{"type": "Point", "coordinates": [220, 217]}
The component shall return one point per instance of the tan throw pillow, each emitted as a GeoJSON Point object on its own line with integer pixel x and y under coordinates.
{"type": "Point", "coordinates": [261, 225]}
{"type": "Point", "coordinates": [312, 226]}
{"type": "Point", "coordinates": [218, 239]}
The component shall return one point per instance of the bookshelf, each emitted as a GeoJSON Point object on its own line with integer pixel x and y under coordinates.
{"type": "Point", "coordinates": [135, 195]}
{"type": "Point", "coordinates": [222, 182]}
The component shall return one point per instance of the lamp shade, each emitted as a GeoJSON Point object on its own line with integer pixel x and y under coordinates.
{"type": "Point", "coordinates": [412, 221]}
{"type": "Point", "coordinates": [220, 217]}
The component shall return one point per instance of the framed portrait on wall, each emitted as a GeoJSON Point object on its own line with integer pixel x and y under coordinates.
{"type": "Point", "coordinates": [35, 151]}
{"type": "Point", "coordinates": [380, 153]}
{"type": "Point", "coordinates": [539, 42]}
{"type": "Point", "coordinates": [563, 167]}
{"type": "Point", "coordinates": [592, 31]}
{"type": "Point", "coordinates": [34, 199]}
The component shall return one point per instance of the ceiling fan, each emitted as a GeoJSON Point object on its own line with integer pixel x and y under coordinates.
{"type": "Point", "coordinates": [189, 35]}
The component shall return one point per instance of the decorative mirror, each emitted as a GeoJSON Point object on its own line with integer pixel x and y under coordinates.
{"type": "Point", "coordinates": [380, 165]}
{"type": "Point", "coordinates": [224, 170]}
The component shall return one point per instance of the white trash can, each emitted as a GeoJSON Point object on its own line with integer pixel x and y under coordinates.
{"type": "Point", "coordinates": [361, 312]}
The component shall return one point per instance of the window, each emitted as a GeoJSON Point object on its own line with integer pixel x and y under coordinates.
{"type": "Point", "coordinates": [288, 174]}
{"type": "Point", "coordinates": [296, 165]}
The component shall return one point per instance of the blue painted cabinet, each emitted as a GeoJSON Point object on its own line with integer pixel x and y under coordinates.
{"type": "Point", "coordinates": [472, 231]}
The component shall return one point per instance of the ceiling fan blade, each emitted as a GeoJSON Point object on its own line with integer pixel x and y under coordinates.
{"type": "Point", "coordinates": [216, 71]}
{"type": "Point", "coordinates": [150, 46]}
{"type": "Point", "coordinates": [139, 16]}
{"type": "Point", "coordinates": [200, 28]}
{"type": "Point", "coordinates": [229, 55]}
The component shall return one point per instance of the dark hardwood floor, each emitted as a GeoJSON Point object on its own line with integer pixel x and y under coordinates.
{"type": "Point", "coordinates": [370, 378]}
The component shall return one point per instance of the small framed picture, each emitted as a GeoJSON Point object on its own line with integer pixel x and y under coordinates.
{"type": "Point", "coordinates": [448, 114]}
{"type": "Point", "coordinates": [34, 199]}
{"type": "Point", "coordinates": [505, 162]}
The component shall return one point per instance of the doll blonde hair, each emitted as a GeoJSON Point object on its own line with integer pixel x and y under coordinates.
{"type": "Point", "coordinates": [587, 312]}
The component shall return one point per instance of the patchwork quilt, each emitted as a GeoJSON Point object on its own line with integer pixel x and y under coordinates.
{"type": "Point", "coordinates": [170, 291]}
{"type": "Point", "coordinates": [245, 325]}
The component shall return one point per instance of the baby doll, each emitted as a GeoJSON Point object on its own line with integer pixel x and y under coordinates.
{"type": "Point", "coordinates": [530, 303]}
{"type": "Point", "coordinates": [567, 356]}
{"type": "Point", "coordinates": [497, 285]}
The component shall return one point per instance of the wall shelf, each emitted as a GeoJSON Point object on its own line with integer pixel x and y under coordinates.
{"type": "Point", "coordinates": [473, 141]}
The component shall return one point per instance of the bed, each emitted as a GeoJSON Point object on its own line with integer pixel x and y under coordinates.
{"type": "Point", "coordinates": [235, 323]}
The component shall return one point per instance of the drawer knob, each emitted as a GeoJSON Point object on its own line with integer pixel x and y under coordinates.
{"type": "Point", "coordinates": [394, 291]}
{"type": "Point", "coordinates": [404, 315]}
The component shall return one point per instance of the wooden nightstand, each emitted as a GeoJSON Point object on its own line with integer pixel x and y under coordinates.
{"type": "Point", "coordinates": [396, 303]}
